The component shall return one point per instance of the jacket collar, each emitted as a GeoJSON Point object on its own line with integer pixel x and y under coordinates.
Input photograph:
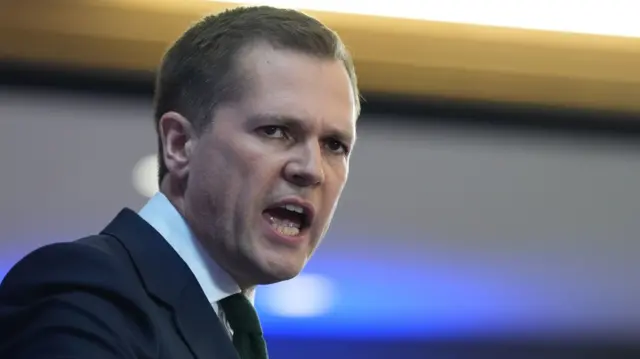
{"type": "Point", "coordinates": [163, 216]}
{"type": "Point", "coordinates": [167, 278]}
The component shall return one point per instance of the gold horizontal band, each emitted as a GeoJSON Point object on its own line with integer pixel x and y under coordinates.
{"type": "Point", "coordinates": [397, 56]}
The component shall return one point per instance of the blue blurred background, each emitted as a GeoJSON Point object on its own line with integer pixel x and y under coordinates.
{"type": "Point", "coordinates": [448, 230]}
{"type": "Point", "coordinates": [467, 229]}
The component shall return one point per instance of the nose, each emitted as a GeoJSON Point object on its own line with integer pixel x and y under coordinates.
{"type": "Point", "coordinates": [305, 169]}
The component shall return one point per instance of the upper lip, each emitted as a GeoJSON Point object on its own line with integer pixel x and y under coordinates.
{"type": "Point", "coordinates": [309, 210]}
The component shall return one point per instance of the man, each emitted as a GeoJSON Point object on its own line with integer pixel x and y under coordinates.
{"type": "Point", "coordinates": [255, 113]}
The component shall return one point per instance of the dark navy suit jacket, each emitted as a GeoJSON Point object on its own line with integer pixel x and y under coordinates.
{"type": "Point", "coordinates": [124, 293]}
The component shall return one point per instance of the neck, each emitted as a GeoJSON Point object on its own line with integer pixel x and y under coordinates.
{"type": "Point", "coordinates": [174, 192]}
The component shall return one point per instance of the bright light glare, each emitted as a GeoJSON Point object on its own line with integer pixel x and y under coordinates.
{"type": "Point", "coordinates": [145, 176]}
{"type": "Point", "coordinates": [613, 17]}
{"type": "Point", "coordinates": [304, 296]}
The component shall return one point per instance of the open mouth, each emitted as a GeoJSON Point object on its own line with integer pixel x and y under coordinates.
{"type": "Point", "coordinates": [289, 220]}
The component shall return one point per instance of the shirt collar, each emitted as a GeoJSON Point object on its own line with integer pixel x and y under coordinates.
{"type": "Point", "coordinates": [216, 284]}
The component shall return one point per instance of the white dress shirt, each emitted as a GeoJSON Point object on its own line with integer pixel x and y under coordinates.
{"type": "Point", "coordinates": [214, 281]}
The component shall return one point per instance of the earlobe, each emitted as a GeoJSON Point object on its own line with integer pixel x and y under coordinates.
{"type": "Point", "coordinates": [177, 138]}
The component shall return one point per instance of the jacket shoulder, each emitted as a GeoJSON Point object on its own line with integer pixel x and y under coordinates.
{"type": "Point", "coordinates": [85, 290]}
{"type": "Point", "coordinates": [85, 263]}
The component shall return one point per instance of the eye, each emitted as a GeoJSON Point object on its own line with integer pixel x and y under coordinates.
{"type": "Point", "coordinates": [337, 147]}
{"type": "Point", "coordinates": [273, 131]}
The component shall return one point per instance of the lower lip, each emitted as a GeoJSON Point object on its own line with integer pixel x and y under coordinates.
{"type": "Point", "coordinates": [274, 235]}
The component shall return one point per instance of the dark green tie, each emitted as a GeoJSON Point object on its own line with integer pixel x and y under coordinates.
{"type": "Point", "coordinates": [247, 332]}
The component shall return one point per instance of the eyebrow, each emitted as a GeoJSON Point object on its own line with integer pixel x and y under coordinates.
{"type": "Point", "coordinates": [298, 124]}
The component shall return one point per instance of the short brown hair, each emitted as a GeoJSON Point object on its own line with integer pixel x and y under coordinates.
{"type": "Point", "coordinates": [198, 71]}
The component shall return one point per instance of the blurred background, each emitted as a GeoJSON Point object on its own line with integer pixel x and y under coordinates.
{"type": "Point", "coordinates": [493, 205]}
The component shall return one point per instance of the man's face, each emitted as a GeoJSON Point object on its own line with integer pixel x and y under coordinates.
{"type": "Point", "coordinates": [265, 179]}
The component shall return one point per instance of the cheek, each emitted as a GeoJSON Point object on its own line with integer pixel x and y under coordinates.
{"type": "Point", "coordinates": [334, 191]}
{"type": "Point", "coordinates": [339, 176]}
{"type": "Point", "coordinates": [247, 176]}
{"type": "Point", "coordinates": [213, 173]}
{"type": "Point", "coordinates": [258, 165]}
{"type": "Point", "coordinates": [249, 163]}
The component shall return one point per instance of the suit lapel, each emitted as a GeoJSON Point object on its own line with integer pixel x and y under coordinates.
{"type": "Point", "coordinates": [167, 278]}
{"type": "Point", "coordinates": [201, 327]}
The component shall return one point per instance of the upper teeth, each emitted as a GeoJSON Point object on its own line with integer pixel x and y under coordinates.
{"type": "Point", "coordinates": [294, 208]}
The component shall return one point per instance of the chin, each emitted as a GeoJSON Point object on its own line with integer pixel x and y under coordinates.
{"type": "Point", "coordinates": [280, 272]}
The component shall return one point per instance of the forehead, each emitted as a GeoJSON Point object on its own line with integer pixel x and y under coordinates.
{"type": "Point", "coordinates": [294, 85]}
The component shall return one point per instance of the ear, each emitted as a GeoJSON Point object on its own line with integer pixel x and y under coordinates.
{"type": "Point", "coordinates": [178, 140]}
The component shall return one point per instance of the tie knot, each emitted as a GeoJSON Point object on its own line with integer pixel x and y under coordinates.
{"type": "Point", "coordinates": [241, 314]}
